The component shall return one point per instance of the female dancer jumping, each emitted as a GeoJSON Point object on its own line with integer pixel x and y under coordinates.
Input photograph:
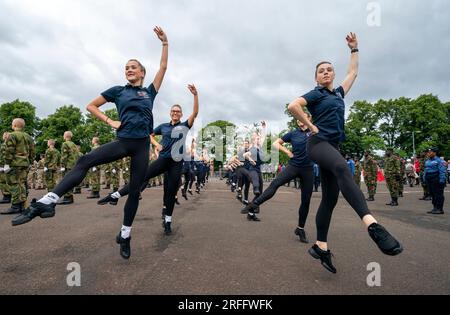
{"type": "Point", "coordinates": [326, 105]}
{"type": "Point", "coordinates": [134, 104]}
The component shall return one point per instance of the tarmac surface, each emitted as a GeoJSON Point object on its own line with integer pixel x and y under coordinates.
{"type": "Point", "coordinates": [215, 250]}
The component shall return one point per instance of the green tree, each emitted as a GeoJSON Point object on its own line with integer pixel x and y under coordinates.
{"type": "Point", "coordinates": [207, 139]}
{"type": "Point", "coordinates": [361, 129]}
{"type": "Point", "coordinates": [66, 118]}
{"type": "Point", "coordinates": [97, 128]}
{"type": "Point", "coordinates": [18, 109]}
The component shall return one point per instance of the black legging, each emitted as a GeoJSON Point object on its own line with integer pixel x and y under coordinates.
{"type": "Point", "coordinates": [244, 179]}
{"type": "Point", "coordinates": [335, 177]}
{"type": "Point", "coordinates": [158, 167]}
{"type": "Point", "coordinates": [257, 182]}
{"type": "Point", "coordinates": [137, 149]}
{"type": "Point", "coordinates": [306, 180]}
{"type": "Point", "coordinates": [188, 174]}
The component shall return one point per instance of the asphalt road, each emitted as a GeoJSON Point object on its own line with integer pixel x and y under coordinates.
{"type": "Point", "coordinates": [215, 250]}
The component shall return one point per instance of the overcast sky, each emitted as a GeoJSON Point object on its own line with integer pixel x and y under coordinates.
{"type": "Point", "coordinates": [248, 58]}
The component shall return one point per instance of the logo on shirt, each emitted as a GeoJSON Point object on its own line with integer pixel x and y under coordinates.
{"type": "Point", "coordinates": [143, 94]}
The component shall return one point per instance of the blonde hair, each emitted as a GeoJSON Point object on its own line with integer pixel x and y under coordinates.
{"type": "Point", "coordinates": [18, 123]}
{"type": "Point", "coordinates": [142, 69]}
{"type": "Point", "coordinates": [68, 134]}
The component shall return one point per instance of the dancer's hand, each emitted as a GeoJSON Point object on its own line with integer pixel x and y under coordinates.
{"type": "Point", "coordinates": [159, 148]}
{"type": "Point", "coordinates": [314, 130]}
{"type": "Point", "coordinates": [193, 90]}
{"type": "Point", "coordinates": [114, 123]}
{"type": "Point", "coordinates": [352, 42]}
{"type": "Point", "coordinates": [160, 33]}
{"type": "Point", "coordinates": [290, 154]}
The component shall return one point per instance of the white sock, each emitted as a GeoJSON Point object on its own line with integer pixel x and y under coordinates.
{"type": "Point", "coordinates": [116, 195]}
{"type": "Point", "coordinates": [168, 218]}
{"type": "Point", "coordinates": [125, 231]}
{"type": "Point", "coordinates": [49, 198]}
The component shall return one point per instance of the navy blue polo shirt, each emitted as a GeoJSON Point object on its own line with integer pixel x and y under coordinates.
{"type": "Point", "coordinates": [171, 134]}
{"type": "Point", "coordinates": [256, 155]}
{"type": "Point", "coordinates": [243, 159]}
{"type": "Point", "coordinates": [134, 105]}
{"type": "Point", "coordinates": [298, 139]}
{"type": "Point", "coordinates": [327, 109]}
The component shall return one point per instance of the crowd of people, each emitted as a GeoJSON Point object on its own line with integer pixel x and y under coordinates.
{"type": "Point", "coordinates": [315, 160]}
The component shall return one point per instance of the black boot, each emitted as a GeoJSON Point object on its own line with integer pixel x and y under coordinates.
{"type": "Point", "coordinates": [251, 216]}
{"type": "Point", "coordinates": [385, 241]}
{"type": "Point", "coordinates": [176, 201]}
{"type": "Point", "coordinates": [6, 199]}
{"type": "Point", "coordinates": [183, 193]}
{"type": "Point", "coordinates": [371, 198]}
{"type": "Point", "coordinates": [125, 248]}
{"type": "Point", "coordinates": [400, 194]}
{"type": "Point", "coordinates": [14, 209]}
{"type": "Point", "coordinates": [77, 190]}
{"type": "Point", "coordinates": [394, 201]}
{"type": "Point", "coordinates": [167, 227]}
{"type": "Point", "coordinates": [436, 211]}
{"type": "Point", "coordinates": [324, 256]}
{"type": "Point", "coordinates": [301, 234]}
{"type": "Point", "coordinates": [35, 209]}
{"type": "Point", "coordinates": [108, 199]}
{"type": "Point", "coordinates": [94, 195]}
{"type": "Point", "coordinates": [249, 208]}
{"type": "Point", "coordinates": [66, 201]}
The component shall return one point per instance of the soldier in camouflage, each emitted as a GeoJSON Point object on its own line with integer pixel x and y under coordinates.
{"type": "Point", "coordinates": [19, 154]}
{"type": "Point", "coordinates": [422, 159]}
{"type": "Point", "coordinates": [358, 169]}
{"type": "Point", "coordinates": [40, 182]}
{"type": "Point", "coordinates": [94, 174]}
{"type": "Point", "coordinates": [69, 157]}
{"type": "Point", "coordinates": [115, 174]}
{"type": "Point", "coordinates": [3, 184]}
{"type": "Point", "coordinates": [402, 174]}
{"type": "Point", "coordinates": [31, 176]}
{"type": "Point", "coordinates": [107, 173]}
{"type": "Point", "coordinates": [392, 175]}
{"type": "Point", "coordinates": [126, 170]}
{"type": "Point", "coordinates": [51, 165]}
{"type": "Point", "coordinates": [77, 189]}
{"type": "Point", "coordinates": [370, 175]}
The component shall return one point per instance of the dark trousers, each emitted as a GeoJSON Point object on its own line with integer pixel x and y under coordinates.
{"type": "Point", "coordinates": [306, 180]}
{"type": "Point", "coordinates": [436, 190]}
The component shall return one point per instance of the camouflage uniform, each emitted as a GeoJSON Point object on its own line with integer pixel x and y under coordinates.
{"type": "Point", "coordinates": [107, 172]}
{"type": "Point", "coordinates": [426, 193]}
{"type": "Point", "coordinates": [69, 157]}
{"type": "Point", "coordinates": [126, 170]}
{"type": "Point", "coordinates": [392, 174]}
{"type": "Point", "coordinates": [94, 176]}
{"type": "Point", "coordinates": [19, 154]}
{"type": "Point", "coordinates": [40, 182]}
{"type": "Point", "coordinates": [31, 176]}
{"type": "Point", "coordinates": [52, 158]}
{"type": "Point", "coordinates": [402, 176]}
{"type": "Point", "coordinates": [357, 176]}
{"type": "Point", "coordinates": [77, 189]}
{"type": "Point", "coordinates": [3, 184]}
{"type": "Point", "coordinates": [115, 174]}
{"type": "Point", "coordinates": [370, 175]}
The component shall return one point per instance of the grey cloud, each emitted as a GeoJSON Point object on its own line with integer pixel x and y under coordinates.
{"type": "Point", "coordinates": [248, 58]}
